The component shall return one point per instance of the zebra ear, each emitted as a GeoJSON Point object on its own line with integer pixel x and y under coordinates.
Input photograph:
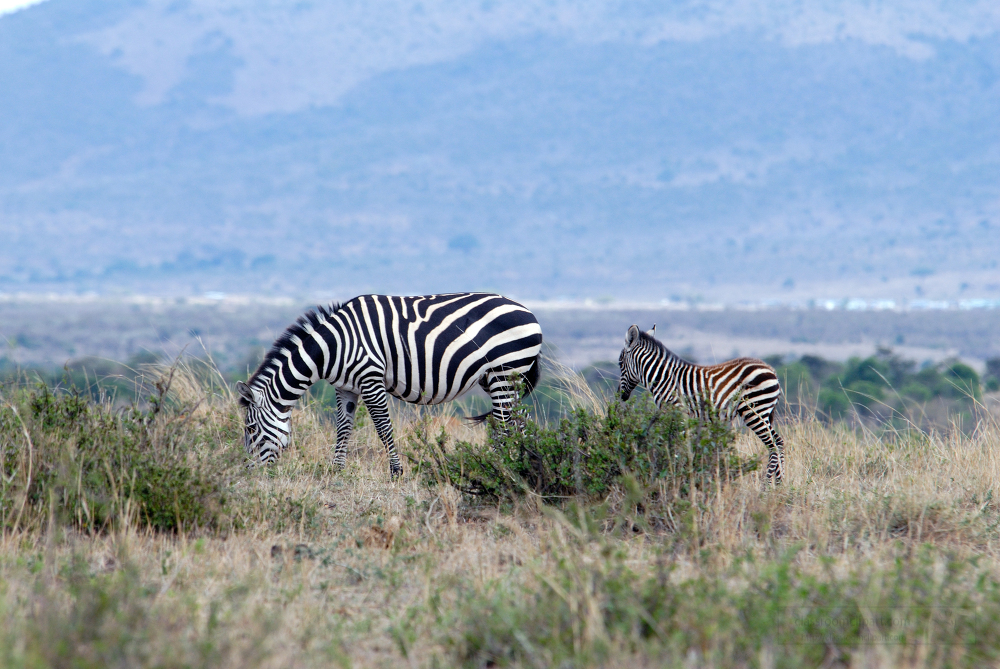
{"type": "Point", "coordinates": [632, 337]}
{"type": "Point", "coordinates": [245, 392]}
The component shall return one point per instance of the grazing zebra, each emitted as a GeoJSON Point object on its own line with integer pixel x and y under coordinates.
{"type": "Point", "coordinates": [745, 386]}
{"type": "Point", "coordinates": [425, 350]}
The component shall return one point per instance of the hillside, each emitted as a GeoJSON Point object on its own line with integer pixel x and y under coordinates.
{"type": "Point", "coordinates": [738, 150]}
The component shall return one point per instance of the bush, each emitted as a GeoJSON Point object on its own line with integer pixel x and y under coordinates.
{"type": "Point", "coordinates": [917, 391]}
{"type": "Point", "coordinates": [962, 381]}
{"type": "Point", "coordinates": [585, 455]}
{"type": "Point", "coordinates": [992, 378]}
{"type": "Point", "coordinates": [91, 466]}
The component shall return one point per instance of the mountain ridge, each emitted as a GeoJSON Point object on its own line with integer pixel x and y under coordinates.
{"type": "Point", "coordinates": [535, 161]}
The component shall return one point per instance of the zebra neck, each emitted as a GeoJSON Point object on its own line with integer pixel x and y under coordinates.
{"type": "Point", "coordinates": [662, 372]}
{"type": "Point", "coordinates": [282, 388]}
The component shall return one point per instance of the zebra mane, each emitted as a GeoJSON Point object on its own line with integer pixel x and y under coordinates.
{"type": "Point", "coordinates": [660, 346]}
{"type": "Point", "coordinates": [312, 318]}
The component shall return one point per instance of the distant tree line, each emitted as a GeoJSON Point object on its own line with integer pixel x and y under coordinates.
{"type": "Point", "coordinates": [884, 387]}
{"type": "Point", "coordinates": [99, 378]}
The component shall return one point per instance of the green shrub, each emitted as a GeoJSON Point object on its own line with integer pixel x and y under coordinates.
{"type": "Point", "coordinates": [864, 393]}
{"type": "Point", "coordinates": [962, 381]}
{"type": "Point", "coordinates": [917, 391]}
{"type": "Point", "coordinates": [91, 465]}
{"type": "Point", "coordinates": [585, 455]}
{"type": "Point", "coordinates": [833, 402]}
{"type": "Point", "coordinates": [171, 495]}
{"type": "Point", "coordinates": [992, 376]}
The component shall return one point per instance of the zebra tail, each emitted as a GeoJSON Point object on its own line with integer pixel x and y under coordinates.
{"type": "Point", "coordinates": [530, 381]}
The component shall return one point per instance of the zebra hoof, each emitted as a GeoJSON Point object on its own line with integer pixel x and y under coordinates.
{"type": "Point", "coordinates": [770, 484]}
{"type": "Point", "coordinates": [395, 473]}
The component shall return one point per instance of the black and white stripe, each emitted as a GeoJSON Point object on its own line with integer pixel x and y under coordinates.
{"type": "Point", "coordinates": [425, 350]}
{"type": "Point", "coordinates": [745, 387]}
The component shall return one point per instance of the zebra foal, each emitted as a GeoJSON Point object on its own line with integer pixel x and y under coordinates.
{"type": "Point", "coordinates": [424, 350]}
{"type": "Point", "coordinates": [745, 387]}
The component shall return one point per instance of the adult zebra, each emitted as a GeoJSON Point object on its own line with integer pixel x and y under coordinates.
{"type": "Point", "coordinates": [746, 386]}
{"type": "Point", "coordinates": [425, 350]}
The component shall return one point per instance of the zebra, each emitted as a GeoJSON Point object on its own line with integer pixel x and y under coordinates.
{"type": "Point", "coordinates": [745, 386]}
{"type": "Point", "coordinates": [425, 349]}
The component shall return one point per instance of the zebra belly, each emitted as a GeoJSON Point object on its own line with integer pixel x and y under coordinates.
{"type": "Point", "coordinates": [430, 399]}
{"type": "Point", "coordinates": [471, 377]}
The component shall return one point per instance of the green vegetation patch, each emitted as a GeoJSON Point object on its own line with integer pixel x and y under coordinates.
{"type": "Point", "coordinates": [69, 458]}
{"type": "Point", "coordinates": [586, 455]}
{"type": "Point", "coordinates": [885, 387]}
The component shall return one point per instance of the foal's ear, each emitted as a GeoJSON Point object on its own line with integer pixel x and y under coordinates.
{"type": "Point", "coordinates": [632, 336]}
{"type": "Point", "coordinates": [245, 392]}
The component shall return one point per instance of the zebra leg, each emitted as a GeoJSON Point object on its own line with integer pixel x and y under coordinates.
{"type": "Point", "coordinates": [760, 423]}
{"type": "Point", "coordinates": [347, 404]}
{"type": "Point", "coordinates": [376, 400]}
{"type": "Point", "coordinates": [777, 455]}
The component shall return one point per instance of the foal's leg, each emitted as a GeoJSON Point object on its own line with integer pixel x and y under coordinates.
{"type": "Point", "coordinates": [759, 420]}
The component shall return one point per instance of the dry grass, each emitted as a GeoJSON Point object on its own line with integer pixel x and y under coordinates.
{"type": "Point", "coordinates": [350, 568]}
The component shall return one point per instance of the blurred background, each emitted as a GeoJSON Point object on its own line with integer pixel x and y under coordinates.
{"type": "Point", "coordinates": [779, 179]}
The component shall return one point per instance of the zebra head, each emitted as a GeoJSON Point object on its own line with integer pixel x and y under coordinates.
{"type": "Point", "coordinates": [628, 364]}
{"type": "Point", "coordinates": [266, 430]}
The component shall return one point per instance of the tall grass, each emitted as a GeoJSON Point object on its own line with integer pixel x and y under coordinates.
{"type": "Point", "coordinates": [880, 550]}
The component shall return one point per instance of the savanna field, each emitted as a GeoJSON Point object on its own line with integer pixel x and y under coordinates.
{"type": "Point", "coordinates": [609, 535]}
{"type": "Point", "coordinates": [782, 210]}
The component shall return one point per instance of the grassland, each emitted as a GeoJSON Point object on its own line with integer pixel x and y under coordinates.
{"type": "Point", "coordinates": [881, 550]}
